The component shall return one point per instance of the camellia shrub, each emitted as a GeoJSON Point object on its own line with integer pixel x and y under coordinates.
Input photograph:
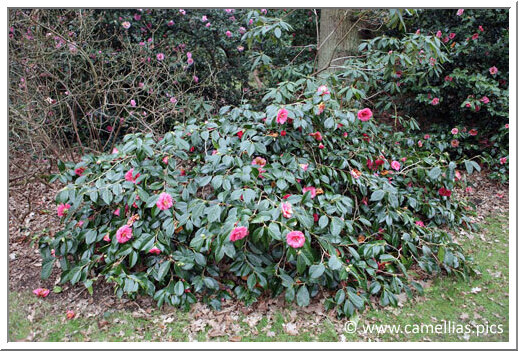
{"type": "Point", "coordinates": [291, 200]}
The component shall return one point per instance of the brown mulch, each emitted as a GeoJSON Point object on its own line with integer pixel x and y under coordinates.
{"type": "Point", "coordinates": [32, 213]}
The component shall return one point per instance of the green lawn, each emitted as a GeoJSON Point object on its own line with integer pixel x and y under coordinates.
{"type": "Point", "coordinates": [447, 299]}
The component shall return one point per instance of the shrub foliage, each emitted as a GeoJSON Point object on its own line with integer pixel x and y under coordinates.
{"type": "Point", "coordinates": [329, 198]}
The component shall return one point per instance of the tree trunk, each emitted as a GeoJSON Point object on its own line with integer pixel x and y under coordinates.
{"type": "Point", "coordinates": [337, 38]}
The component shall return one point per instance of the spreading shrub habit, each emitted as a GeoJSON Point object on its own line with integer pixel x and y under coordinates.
{"type": "Point", "coordinates": [232, 207]}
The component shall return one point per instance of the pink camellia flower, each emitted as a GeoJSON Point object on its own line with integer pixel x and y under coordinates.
{"type": "Point", "coordinates": [115, 151]}
{"type": "Point", "coordinates": [503, 160]}
{"type": "Point", "coordinates": [473, 132]}
{"type": "Point", "coordinates": [240, 48]}
{"type": "Point", "coordinates": [117, 212]}
{"type": "Point", "coordinates": [458, 176]}
{"type": "Point", "coordinates": [165, 160]}
{"type": "Point", "coordinates": [427, 136]}
{"type": "Point", "coordinates": [287, 210]}
{"type": "Point", "coordinates": [419, 223]}
{"type": "Point", "coordinates": [454, 131]}
{"type": "Point", "coordinates": [109, 128]}
{"type": "Point", "coordinates": [133, 103]}
{"type": "Point", "coordinates": [295, 239]}
{"type": "Point", "coordinates": [155, 250]}
{"type": "Point", "coordinates": [493, 70]}
{"type": "Point", "coordinates": [469, 189]}
{"type": "Point", "coordinates": [315, 217]}
{"type": "Point", "coordinates": [316, 135]}
{"type": "Point", "coordinates": [63, 209]}
{"type": "Point", "coordinates": [190, 61]}
{"type": "Point", "coordinates": [79, 171]}
{"type": "Point", "coordinates": [507, 126]}
{"type": "Point", "coordinates": [204, 18]}
{"type": "Point", "coordinates": [322, 90]}
{"type": "Point", "coordinates": [420, 143]}
{"type": "Point", "coordinates": [365, 114]}
{"type": "Point", "coordinates": [454, 143]}
{"type": "Point", "coordinates": [435, 101]}
{"type": "Point", "coordinates": [80, 223]}
{"type": "Point", "coordinates": [475, 36]}
{"type": "Point", "coordinates": [242, 30]}
{"type": "Point", "coordinates": [137, 17]}
{"type": "Point", "coordinates": [41, 292]}
{"type": "Point", "coordinates": [182, 12]}
{"type": "Point", "coordinates": [259, 161]}
{"type": "Point", "coordinates": [345, 134]}
{"type": "Point", "coordinates": [311, 189]}
{"type": "Point", "coordinates": [164, 202]}
{"type": "Point", "coordinates": [320, 146]}
{"type": "Point", "coordinates": [356, 173]}
{"type": "Point", "coordinates": [395, 165]}
{"type": "Point", "coordinates": [124, 233]}
{"type": "Point", "coordinates": [451, 35]}
{"type": "Point", "coordinates": [438, 34]}
{"type": "Point", "coordinates": [484, 99]}
{"type": "Point", "coordinates": [70, 314]}
{"type": "Point", "coordinates": [468, 105]}
{"type": "Point", "coordinates": [304, 166]}
{"type": "Point", "coordinates": [129, 176]}
{"type": "Point", "coordinates": [107, 238]}
{"type": "Point", "coordinates": [228, 33]}
{"type": "Point", "coordinates": [480, 28]}
{"type": "Point", "coordinates": [208, 25]}
{"type": "Point", "coordinates": [282, 116]}
{"type": "Point", "coordinates": [126, 25]}
{"type": "Point", "coordinates": [460, 12]}
{"type": "Point", "coordinates": [238, 233]}
{"type": "Point", "coordinates": [160, 56]}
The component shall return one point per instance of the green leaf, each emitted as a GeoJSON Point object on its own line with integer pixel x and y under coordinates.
{"type": "Point", "coordinates": [303, 296]}
{"type": "Point", "coordinates": [336, 225]}
{"type": "Point", "coordinates": [377, 195]}
{"type": "Point", "coordinates": [214, 213]}
{"type": "Point", "coordinates": [434, 173]}
{"type": "Point", "coordinates": [179, 288]}
{"type": "Point", "coordinates": [316, 271]}
{"type": "Point", "coordinates": [335, 263]}
{"type": "Point", "coordinates": [162, 271]}
{"type": "Point", "coordinates": [107, 196]}
{"type": "Point", "coordinates": [46, 268]}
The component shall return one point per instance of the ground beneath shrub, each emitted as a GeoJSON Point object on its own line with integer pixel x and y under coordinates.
{"type": "Point", "coordinates": [32, 213]}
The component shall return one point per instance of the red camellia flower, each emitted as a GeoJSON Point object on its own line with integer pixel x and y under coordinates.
{"type": "Point", "coordinates": [473, 132]}
{"type": "Point", "coordinates": [316, 135]}
{"type": "Point", "coordinates": [283, 133]}
{"type": "Point", "coordinates": [240, 134]}
{"type": "Point", "coordinates": [315, 217]}
{"type": "Point", "coordinates": [444, 192]}
{"type": "Point", "coordinates": [365, 114]}
{"type": "Point", "coordinates": [79, 171]}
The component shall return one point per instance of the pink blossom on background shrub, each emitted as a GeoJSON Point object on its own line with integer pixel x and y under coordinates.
{"type": "Point", "coordinates": [419, 223]}
{"type": "Point", "coordinates": [133, 103]}
{"type": "Point", "coordinates": [204, 18]}
{"type": "Point", "coordinates": [304, 166]}
{"type": "Point", "coordinates": [295, 239]}
{"type": "Point", "coordinates": [493, 70]}
{"type": "Point", "coordinates": [320, 146]}
{"type": "Point", "coordinates": [460, 12]}
{"type": "Point", "coordinates": [287, 210]}
{"type": "Point", "coordinates": [164, 202]}
{"type": "Point", "coordinates": [238, 233]}
{"type": "Point", "coordinates": [438, 34]}
{"type": "Point", "coordinates": [472, 132]}
{"type": "Point", "coordinates": [282, 116]}
{"type": "Point", "coordinates": [259, 161]}
{"type": "Point", "coordinates": [454, 131]}
{"type": "Point", "coordinates": [323, 90]}
{"type": "Point", "coordinates": [228, 34]}
{"type": "Point", "coordinates": [365, 114]}
{"type": "Point", "coordinates": [435, 101]}
{"type": "Point", "coordinates": [155, 250]}
{"type": "Point", "coordinates": [115, 151]}
{"type": "Point", "coordinates": [126, 25]}
{"type": "Point", "coordinates": [160, 56]}
{"type": "Point", "coordinates": [395, 165]}
{"type": "Point", "coordinates": [129, 176]}
{"type": "Point", "coordinates": [311, 189]}
{"type": "Point", "coordinates": [107, 238]}
{"type": "Point", "coordinates": [124, 234]}
{"type": "Point", "coordinates": [503, 160]}
{"type": "Point", "coordinates": [484, 99]}
{"type": "Point", "coordinates": [41, 292]}
{"type": "Point", "coordinates": [469, 189]}
{"type": "Point", "coordinates": [455, 143]}
{"type": "Point", "coordinates": [63, 209]}
{"type": "Point", "coordinates": [79, 171]}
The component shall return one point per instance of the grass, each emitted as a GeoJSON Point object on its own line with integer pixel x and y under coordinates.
{"type": "Point", "coordinates": [447, 299]}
